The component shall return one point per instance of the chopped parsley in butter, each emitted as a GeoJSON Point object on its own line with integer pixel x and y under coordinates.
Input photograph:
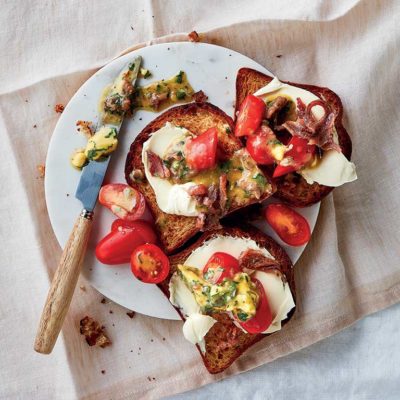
{"type": "Point", "coordinates": [237, 295]}
{"type": "Point", "coordinates": [102, 143]}
{"type": "Point", "coordinates": [163, 93]}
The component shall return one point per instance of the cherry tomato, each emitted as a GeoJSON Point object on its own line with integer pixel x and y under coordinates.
{"type": "Point", "coordinates": [251, 112]}
{"type": "Point", "coordinates": [149, 264]}
{"type": "Point", "coordinates": [290, 226]}
{"type": "Point", "coordinates": [300, 153]}
{"type": "Point", "coordinates": [125, 236]}
{"type": "Point", "coordinates": [124, 201]}
{"type": "Point", "coordinates": [201, 152]}
{"type": "Point", "coordinates": [263, 318]}
{"type": "Point", "coordinates": [220, 266]}
{"type": "Point", "coordinates": [264, 147]}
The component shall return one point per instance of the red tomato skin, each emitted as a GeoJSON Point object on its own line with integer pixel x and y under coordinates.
{"type": "Point", "coordinates": [112, 195]}
{"type": "Point", "coordinates": [257, 146]}
{"type": "Point", "coordinates": [201, 151]}
{"type": "Point", "coordinates": [283, 219]}
{"type": "Point", "coordinates": [301, 152]}
{"type": "Point", "coordinates": [263, 318]}
{"type": "Point", "coordinates": [156, 253]}
{"type": "Point", "coordinates": [117, 247]}
{"type": "Point", "coordinates": [229, 263]}
{"type": "Point", "coordinates": [250, 115]}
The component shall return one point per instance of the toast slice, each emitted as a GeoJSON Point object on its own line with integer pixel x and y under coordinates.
{"type": "Point", "coordinates": [225, 342]}
{"type": "Point", "coordinates": [293, 188]}
{"type": "Point", "coordinates": [175, 230]}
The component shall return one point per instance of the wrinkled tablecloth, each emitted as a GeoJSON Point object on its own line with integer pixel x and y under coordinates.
{"type": "Point", "coordinates": [350, 268]}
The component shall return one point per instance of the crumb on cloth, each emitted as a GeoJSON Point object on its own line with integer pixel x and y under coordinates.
{"type": "Point", "coordinates": [194, 37]}
{"type": "Point", "coordinates": [131, 314]}
{"type": "Point", "coordinates": [59, 108]}
{"type": "Point", "coordinates": [41, 169]}
{"type": "Point", "coordinates": [94, 333]}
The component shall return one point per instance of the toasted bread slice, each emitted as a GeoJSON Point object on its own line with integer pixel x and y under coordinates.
{"type": "Point", "coordinates": [175, 230]}
{"type": "Point", "coordinates": [225, 342]}
{"type": "Point", "coordinates": [293, 188]}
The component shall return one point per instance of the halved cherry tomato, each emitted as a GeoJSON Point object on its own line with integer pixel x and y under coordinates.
{"type": "Point", "coordinates": [149, 264]}
{"type": "Point", "coordinates": [264, 147]}
{"type": "Point", "coordinates": [220, 266]}
{"type": "Point", "coordinates": [251, 112]}
{"type": "Point", "coordinates": [124, 201]}
{"type": "Point", "coordinates": [290, 226]}
{"type": "Point", "coordinates": [125, 236]}
{"type": "Point", "coordinates": [263, 318]}
{"type": "Point", "coordinates": [201, 152]}
{"type": "Point", "coordinates": [300, 154]}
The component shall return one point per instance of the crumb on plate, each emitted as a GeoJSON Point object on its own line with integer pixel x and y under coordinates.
{"type": "Point", "coordinates": [200, 97]}
{"type": "Point", "coordinates": [86, 128]}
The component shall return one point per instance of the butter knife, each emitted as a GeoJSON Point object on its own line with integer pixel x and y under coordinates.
{"type": "Point", "coordinates": [69, 267]}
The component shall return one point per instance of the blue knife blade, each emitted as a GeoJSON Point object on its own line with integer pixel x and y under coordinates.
{"type": "Point", "coordinates": [93, 174]}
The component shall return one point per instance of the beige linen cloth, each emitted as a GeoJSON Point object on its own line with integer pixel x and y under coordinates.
{"type": "Point", "coordinates": [350, 268]}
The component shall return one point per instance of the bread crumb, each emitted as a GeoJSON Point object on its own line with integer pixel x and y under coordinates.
{"type": "Point", "coordinates": [86, 128]}
{"type": "Point", "coordinates": [103, 300]}
{"type": "Point", "coordinates": [35, 126]}
{"type": "Point", "coordinates": [131, 314]}
{"type": "Point", "coordinates": [200, 97]}
{"type": "Point", "coordinates": [94, 333]}
{"type": "Point", "coordinates": [103, 371]}
{"type": "Point", "coordinates": [41, 169]}
{"type": "Point", "coordinates": [59, 108]}
{"type": "Point", "coordinates": [194, 37]}
{"type": "Point", "coordinates": [83, 288]}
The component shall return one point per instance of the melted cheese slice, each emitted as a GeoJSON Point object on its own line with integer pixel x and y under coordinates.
{"type": "Point", "coordinates": [196, 327]}
{"type": "Point", "coordinates": [278, 293]}
{"type": "Point", "coordinates": [171, 198]}
{"type": "Point", "coordinates": [334, 169]}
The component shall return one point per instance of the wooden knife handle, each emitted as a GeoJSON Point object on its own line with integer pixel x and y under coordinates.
{"type": "Point", "coordinates": [63, 285]}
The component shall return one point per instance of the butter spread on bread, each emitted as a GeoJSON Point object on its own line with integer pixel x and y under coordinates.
{"type": "Point", "coordinates": [196, 297]}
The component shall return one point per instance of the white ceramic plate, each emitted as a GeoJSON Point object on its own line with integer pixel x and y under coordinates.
{"type": "Point", "coordinates": [209, 68]}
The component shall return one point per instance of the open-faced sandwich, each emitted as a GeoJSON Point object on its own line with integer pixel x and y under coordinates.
{"type": "Point", "coordinates": [232, 288]}
{"type": "Point", "coordinates": [295, 134]}
{"type": "Point", "coordinates": [192, 166]}
{"type": "Point", "coordinates": [192, 171]}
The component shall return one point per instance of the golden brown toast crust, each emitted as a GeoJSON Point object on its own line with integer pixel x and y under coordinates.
{"type": "Point", "coordinates": [293, 188]}
{"type": "Point", "coordinates": [175, 230]}
{"type": "Point", "coordinates": [225, 342]}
